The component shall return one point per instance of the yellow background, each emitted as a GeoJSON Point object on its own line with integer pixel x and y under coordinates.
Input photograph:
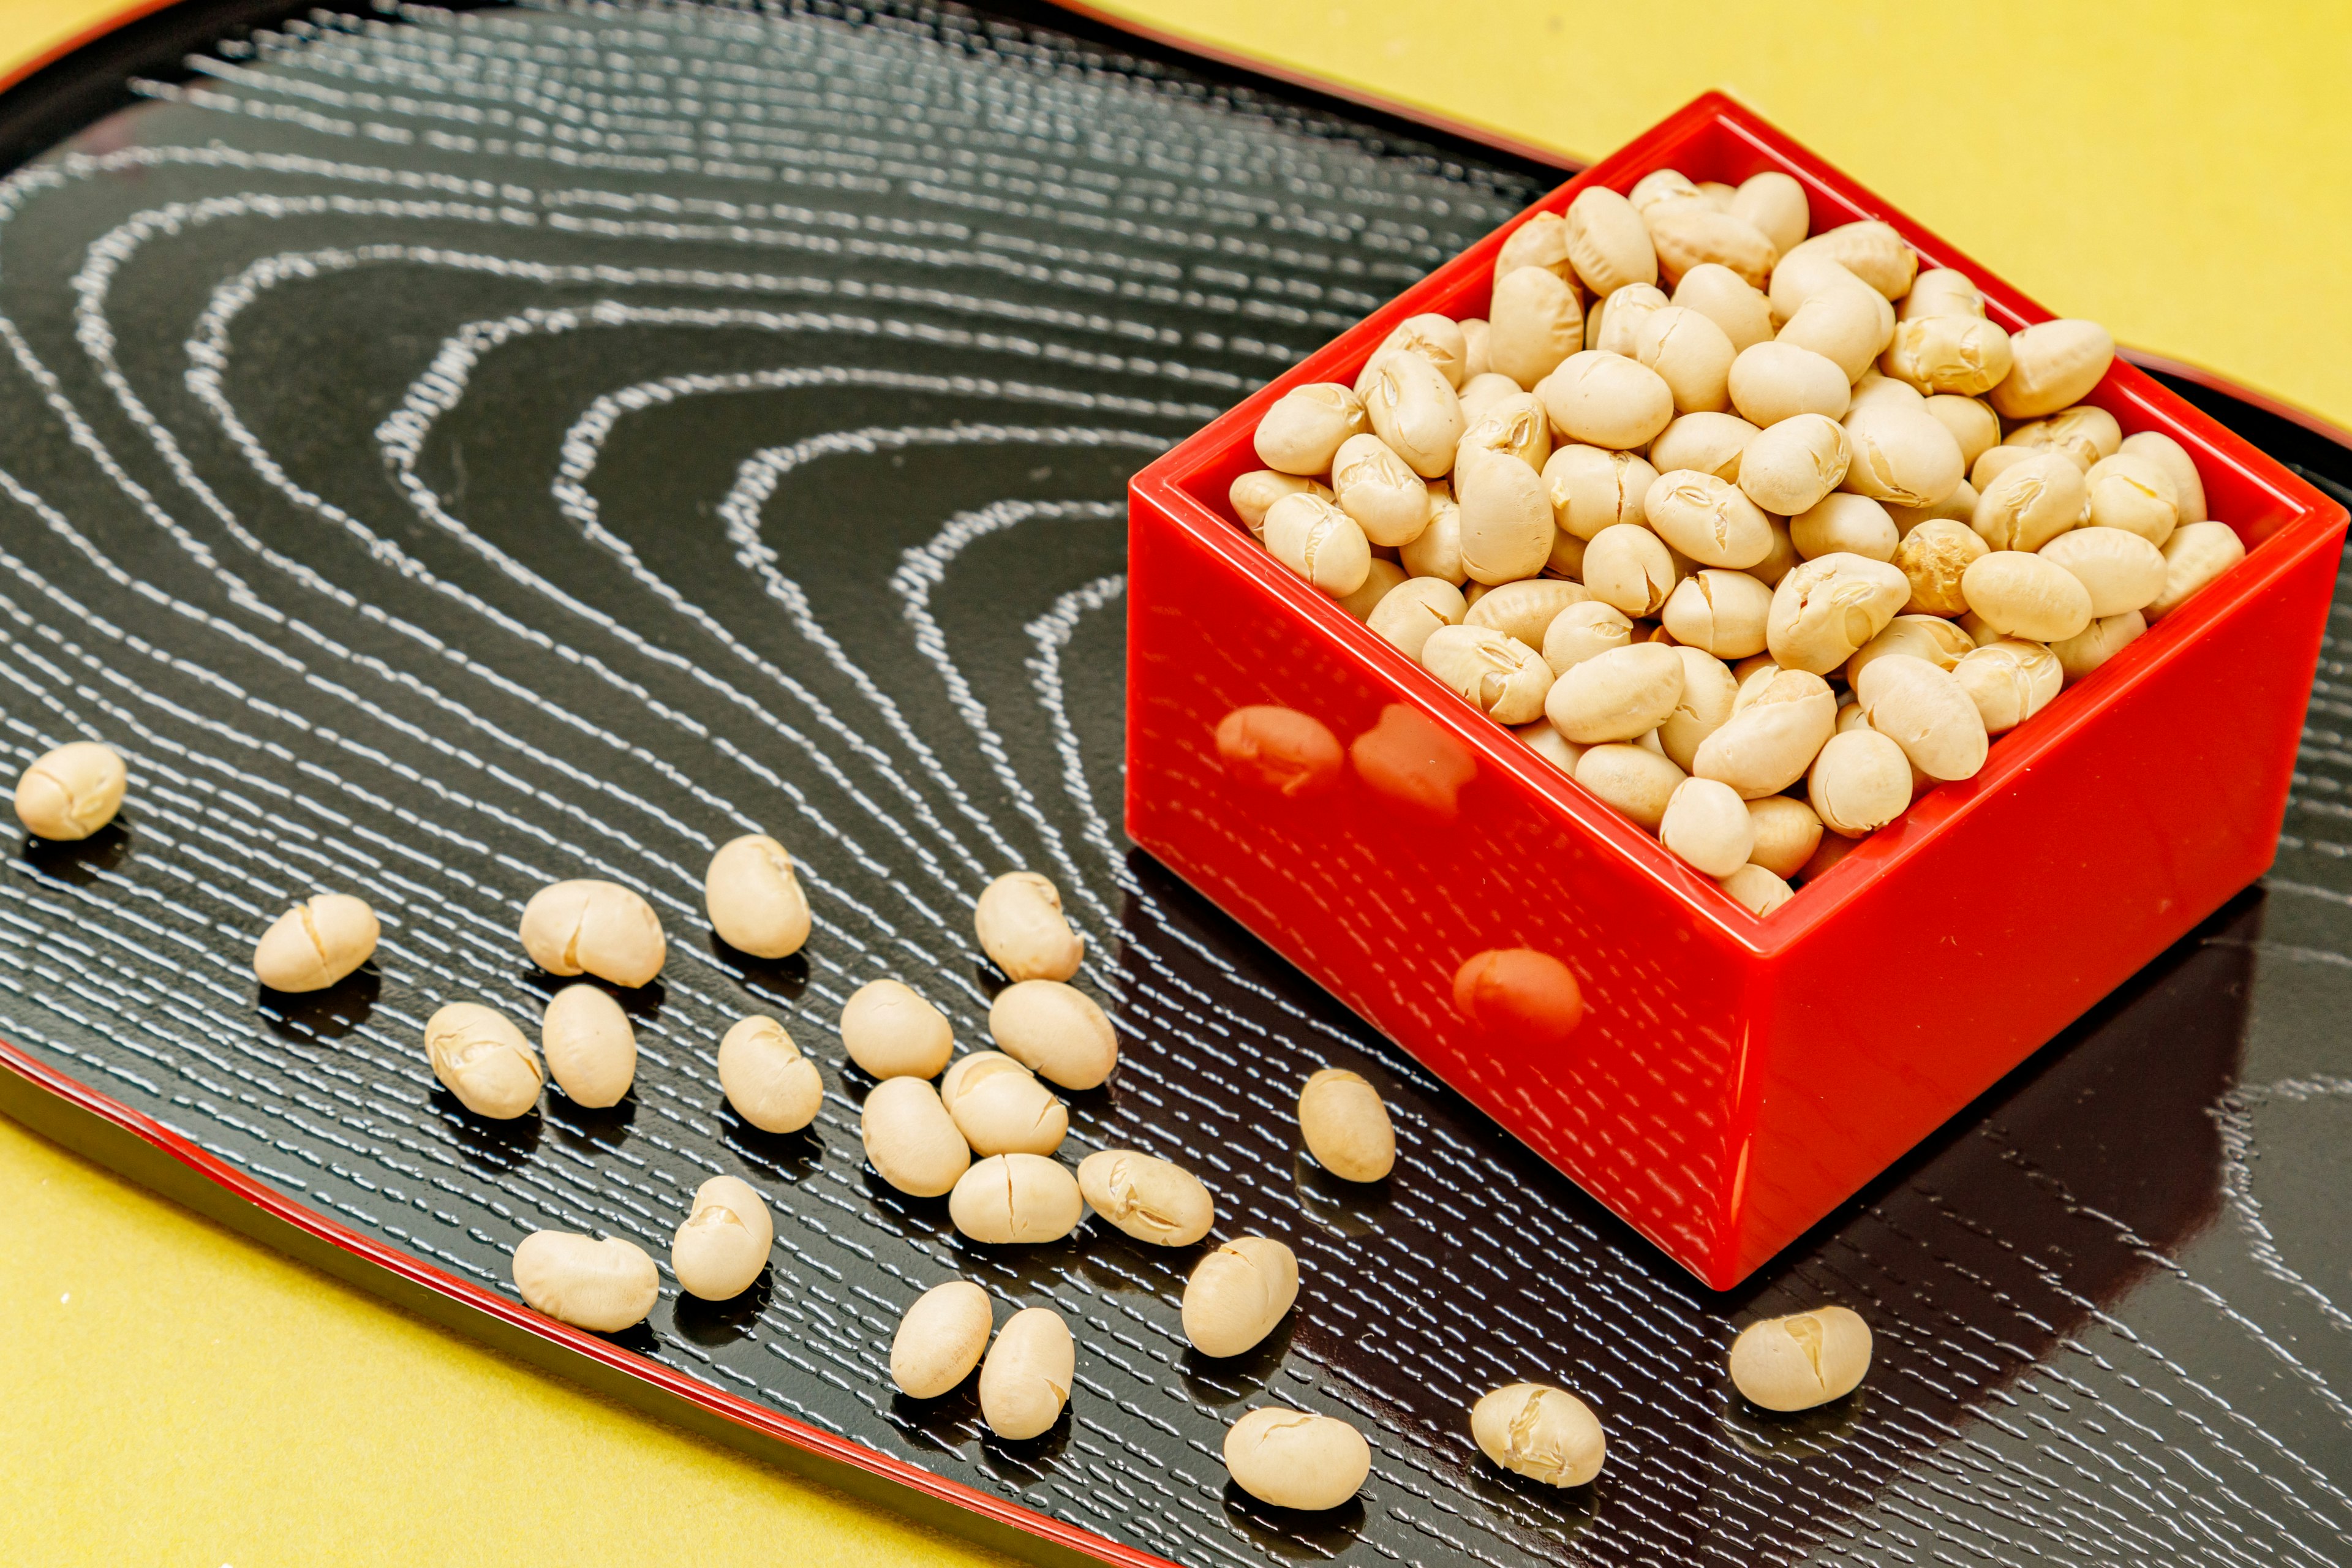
{"type": "Point", "coordinates": [175, 1394]}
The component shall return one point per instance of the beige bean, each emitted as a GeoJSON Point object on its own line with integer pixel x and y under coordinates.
{"type": "Point", "coordinates": [1901, 456]}
{"type": "Point", "coordinates": [2083, 433]}
{"type": "Point", "coordinates": [1590, 488]}
{"type": "Point", "coordinates": [1962, 355]}
{"type": "Point", "coordinates": [1658, 186]}
{"type": "Point", "coordinates": [1606, 400]}
{"type": "Point", "coordinates": [1416, 607]}
{"type": "Point", "coordinates": [1550, 744]}
{"type": "Point", "coordinates": [1728, 300]}
{"type": "Point", "coordinates": [1870, 250]}
{"type": "Point", "coordinates": [1826, 608]}
{"type": "Point", "coordinates": [1633, 781]}
{"type": "Point", "coordinates": [1015, 1199]}
{"type": "Point", "coordinates": [1303, 428]}
{"type": "Point", "coordinates": [940, 1339]}
{"type": "Point", "coordinates": [1925, 710]}
{"type": "Point", "coordinates": [2121, 570]}
{"type": "Point", "coordinates": [1482, 391]}
{"type": "Point", "coordinates": [766, 1079]}
{"type": "Point", "coordinates": [589, 927]}
{"type": "Point", "coordinates": [2131, 490]}
{"type": "Point", "coordinates": [1791, 465]}
{"type": "Point", "coordinates": [1379, 581]}
{"type": "Point", "coordinates": [1541, 242]}
{"type": "Point", "coordinates": [1474, 361]}
{"type": "Point", "coordinates": [315, 944]}
{"type": "Point", "coordinates": [723, 1246]}
{"type": "Point", "coordinates": [1525, 611]}
{"type": "Point", "coordinates": [482, 1058]}
{"type": "Point", "coordinates": [1707, 519]}
{"type": "Point", "coordinates": [1001, 1108]}
{"type": "Point", "coordinates": [1995, 461]}
{"type": "Point", "coordinates": [1346, 1127]}
{"type": "Point", "coordinates": [1614, 322]}
{"type": "Point", "coordinates": [1026, 1378]}
{"type": "Point", "coordinates": [1859, 782]}
{"type": "Point", "coordinates": [1707, 827]}
{"type": "Point", "coordinates": [1438, 552]}
{"type": "Point", "coordinates": [1975, 626]}
{"type": "Point", "coordinates": [2196, 554]}
{"type": "Point", "coordinates": [1835, 846]}
{"type": "Point", "coordinates": [1608, 244]}
{"type": "Point", "coordinates": [1019, 921]}
{"type": "Point", "coordinates": [1616, 695]}
{"type": "Point", "coordinates": [1688, 231]}
{"type": "Point", "coordinates": [1845, 523]}
{"type": "Point", "coordinates": [1719, 612]}
{"type": "Point", "coordinates": [1320, 543]}
{"type": "Point", "coordinates": [1415, 410]}
{"type": "Point", "coordinates": [1933, 557]}
{"type": "Point", "coordinates": [909, 1138]}
{"type": "Point", "coordinates": [1536, 321]}
{"type": "Point", "coordinates": [754, 899]}
{"type": "Point", "coordinates": [1372, 485]}
{"type": "Point", "coordinates": [1494, 673]}
{"type": "Point", "coordinates": [1971, 421]}
{"type": "Point", "coordinates": [1774, 381]}
{"type": "Point", "coordinates": [1506, 518]}
{"type": "Point", "coordinates": [1544, 1434]}
{"type": "Point", "coordinates": [1581, 631]}
{"type": "Point", "coordinates": [1704, 443]}
{"type": "Point", "coordinates": [1941, 291]}
{"type": "Point", "coordinates": [1772, 737]}
{"type": "Point", "coordinates": [1055, 1031]}
{"type": "Point", "coordinates": [2023, 595]}
{"type": "Point", "coordinates": [1691, 355]}
{"type": "Point", "coordinates": [1627, 566]}
{"type": "Point", "coordinates": [2052, 364]}
{"type": "Point", "coordinates": [1803, 272]}
{"type": "Point", "coordinates": [1261, 488]}
{"type": "Point", "coordinates": [1758, 891]}
{"type": "Point", "coordinates": [1931, 637]}
{"type": "Point", "coordinates": [1238, 1293]}
{"type": "Point", "coordinates": [1293, 1459]}
{"type": "Point", "coordinates": [602, 1286]}
{"type": "Point", "coordinates": [1515, 426]}
{"type": "Point", "coordinates": [1801, 1361]}
{"type": "Point", "coordinates": [1440, 340]}
{"type": "Point", "coordinates": [67, 794]}
{"type": "Point", "coordinates": [2095, 644]}
{"type": "Point", "coordinates": [1959, 507]}
{"type": "Point", "coordinates": [2188, 486]}
{"type": "Point", "coordinates": [1788, 831]}
{"type": "Point", "coordinates": [1782, 561]}
{"type": "Point", "coordinates": [1151, 1200]}
{"type": "Point", "coordinates": [588, 1046]}
{"type": "Point", "coordinates": [1775, 202]}
{"type": "Point", "coordinates": [1873, 390]}
{"type": "Point", "coordinates": [2030, 502]}
{"type": "Point", "coordinates": [1846, 323]}
{"type": "Point", "coordinates": [2009, 682]}
{"type": "Point", "coordinates": [1704, 704]}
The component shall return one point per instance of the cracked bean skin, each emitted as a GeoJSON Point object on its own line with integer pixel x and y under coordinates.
{"type": "Point", "coordinates": [754, 898]}
{"type": "Point", "coordinates": [1346, 1126]}
{"type": "Point", "coordinates": [588, 1045]}
{"type": "Point", "coordinates": [65, 794]}
{"type": "Point", "coordinates": [1019, 921]}
{"type": "Point", "coordinates": [602, 1286]}
{"type": "Point", "coordinates": [1014, 1199]}
{"type": "Point", "coordinates": [316, 943]}
{"type": "Point", "coordinates": [1804, 1360]}
{"type": "Point", "coordinates": [1001, 1108]}
{"type": "Point", "coordinates": [1026, 1380]}
{"type": "Point", "coordinates": [1150, 1199]}
{"type": "Point", "coordinates": [1260, 488]}
{"type": "Point", "coordinates": [1827, 608]}
{"type": "Point", "coordinates": [1317, 541]}
{"type": "Point", "coordinates": [482, 1058]}
{"type": "Point", "coordinates": [766, 1079]}
{"type": "Point", "coordinates": [892, 1031]}
{"type": "Point", "coordinates": [1545, 1434]}
{"type": "Point", "coordinates": [2009, 682]}
{"type": "Point", "coordinates": [592, 927]}
{"type": "Point", "coordinates": [1756, 889]}
{"type": "Point", "coordinates": [940, 1339]}
{"type": "Point", "coordinates": [1237, 1294]}
{"type": "Point", "coordinates": [1494, 673]}
{"type": "Point", "coordinates": [723, 1246]}
{"type": "Point", "coordinates": [1294, 1459]}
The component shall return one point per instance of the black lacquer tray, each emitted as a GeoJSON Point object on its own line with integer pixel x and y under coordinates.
{"type": "Point", "coordinates": [453, 451]}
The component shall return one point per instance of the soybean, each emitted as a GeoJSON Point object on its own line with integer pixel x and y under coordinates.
{"type": "Point", "coordinates": [1728, 300]}
{"type": "Point", "coordinates": [765, 1078]}
{"type": "Point", "coordinates": [1015, 1199]}
{"type": "Point", "coordinates": [315, 944]}
{"type": "Point", "coordinates": [589, 1047]}
{"type": "Point", "coordinates": [1859, 782]}
{"type": "Point", "coordinates": [67, 794]}
{"type": "Point", "coordinates": [1302, 432]}
{"type": "Point", "coordinates": [1933, 558]}
{"type": "Point", "coordinates": [482, 1058]}
{"type": "Point", "coordinates": [1055, 1031]}
{"type": "Point", "coordinates": [1386, 500]}
{"type": "Point", "coordinates": [1001, 1108]}
{"type": "Point", "coordinates": [1801, 1361]}
{"type": "Point", "coordinates": [1844, 523]}
{"type": "Point", "coordinates": [1261, 488]}
{"type": "Point", "coordinates": [1606, 400]}
{"type": "Point", "coordinates": [1719, 612]}
{"type": "Point", "coordinates": [1410, 612]}
{"type": "Point", "coordinates": [2009, 682]}
{"type": "Point", "coordinates": [940, 1339]}
{"type": "Point", "coordinates": [890, 1031]}
{"type": "Point", "coordinates": [1581, 631]}
{"type": "Point", "coordinates": [603, 1286]}
{"type": "Point", "coordinates": [754, 898]}
{"type": "Point", "coordinates": [1790, 468]}
{"type": "Point", "coordinates": [1294, 1460]}
{"type": "Point", "coordinates": [2188, 486]}
{"type": "Point", "coordinates": [1026, 1380]}
{"type": "Point", "coordinates": [2030, 502]}
{"type": "Point", "coordinates": [1525, 610]}
{"type": "Point", "coordinates": [2121, 570]}
{"type": "Point", "coordinates": [1438, 552]}
{"type": "Point", "coordinates": [1019, 921]}
{"type": "Point", "coordinates": [1707, 827]}
{"type": "Point", "coordinates": [1901, 456]}
{"type": "Point", "coordinates": [1708, 519]}
{"type": "Point", "coordinates": [1709, 692]}
{"type": "Point", "coordinates": [1608, 244]}
{"type": "Point", "coordinates": [1150, 1199]}
{"type": "Point", "coordinates": [2023, 595]}
{"type": "Point", "coordinates": [1633, 781]}
{"type": "Point", "coordinates": [1826, 608]}
{"type": "Point", "coordinates": [1535, 322]}
{"type": "Point", "coordinates": [1545, 1434]}
{"type": "Point", "coordinates": [1690, 354]}
{"type": "Point", "coordinates": [2054, 364]}
{"type": "Point", "coordinates": [2195, 554]}
{"type": "Point", "coordinates": [1705, 443]}
{"type": "Point", "coordinates": [2133, 492]}
{"type": "Point", "coordinates": [1616, 695]}
{"type": "Point", "coordinates": [1772, 736]}
{"type": "Point", "coordinates": [1925, 710]}
{"type": "Point", "coordinates": [1345, 1126]}
{"type": "Point", "coordinates": [593, 927]}
{"type": "Point", "coordinates": [2095, 644]}
{"type": "Point", "coordinates": [1774, 381]}
{"type": "Point", "coordinates": [1627, 567]}
{"type": "Point", "coordinates": [1498, 675]}
{"type": "Point", "coordinates": [1758, 891]}
{"type": "Point", "coordinates": [1590, 488]}
{"type": "Point", "coordinates": [1788, 831]}
{"type": "Point", "coordinates": [1319, 541]}
{"type": "Point", "coordinates": [1506, 518]}
{"type": "Point", "coordinates": [1416, 411]}
{"type": "Point", "coordinates": [1966, 355]}
{"type": "Point", "coordinates": [723, 1246]}
{"type": "Point", "coordinates": [1238, 1293]}
{"type": "Point", "coordinates": [910, 1139]}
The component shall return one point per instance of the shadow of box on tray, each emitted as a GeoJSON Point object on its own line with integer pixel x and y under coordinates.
{"type": "Point", "coordinates": [2063, 1280]}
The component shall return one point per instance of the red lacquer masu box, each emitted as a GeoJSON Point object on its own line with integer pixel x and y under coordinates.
{"type": "Point", "coordinates": [1719, 1081]}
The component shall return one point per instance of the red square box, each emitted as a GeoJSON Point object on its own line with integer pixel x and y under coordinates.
{"type": "Point", "coordinates": [1720, 1082]}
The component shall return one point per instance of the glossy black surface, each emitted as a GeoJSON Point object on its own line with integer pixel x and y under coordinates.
{"type": "Point", "coordinates": [452, 453]}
